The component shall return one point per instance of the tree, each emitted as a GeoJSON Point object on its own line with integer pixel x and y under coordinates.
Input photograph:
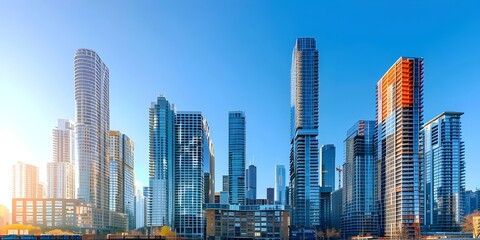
{"type": "Point", "coordinates": [468, 221]}
{"type": "Point", "coordinates": [31, 229]}
{"type": "Point", "coordinates": [332, 233]}
{"type": "Point", "coordinates": [165, 231]}
{"type": "Point", "coordinates": [58, 232]}
{"type": "Point", "coordinates": [319, 234]}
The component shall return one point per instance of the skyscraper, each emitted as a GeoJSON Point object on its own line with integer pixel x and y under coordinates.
{"type": "Point", "coordinates": [280, 184]}
{"type": "Point", "coordinates": [225, 183]}
{"type": "Point", "coordinates": [359, 198]}
{"type": "Point", "coordinates": [140, 209]}
{"type": "Point", "coordinates": [193, 152]}
{"type": "Point", "coordinates": [92, 126]}
{"type": "Point", "coordinates": [399, 119]}
{"type": "Point", "coordinates": [304, 188]}
{"type": "Point", "coordinates": [161, 165]}
{"type": "Point", "coordinates": [25, 181]}
{"type": "Point", "coordinates": [327, 159]}
{"type": "Point", "coordinates": [61, 172]}
{"type": "Point", "coordinates": [251, 182]}
{"type": "Point", "coordinates": [236, 157]}
{"type": "Point", "coordinates": [270, 195]}
{"type": "Point", "coordinates": [444, 180]}
{"type": "Point", "coordinates": [122, 179]}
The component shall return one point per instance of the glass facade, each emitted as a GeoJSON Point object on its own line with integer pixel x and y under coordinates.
{"type": "Point", "coordinates": [399, 119]}
{"type": "Point", "coordinates": [236, 157]}
{"type": "Point", "coordinates": [160, 193]}
{"type": "Point", "coordinates": [280, 184]}
{"type": "Point", "coordinates": [193, 151]}
{"type": "Point", "coordinates": [92, 125]}
{"type": "Point", "coordinates": [359, 213]}
{"type": "Point", "coordinates": [444, 180]}
{"type": "Point", "coordinates": [251, 174]}
{"type": "Point", "coordinates": [327, 159]}
{"type": "Point", "coordinates": [304, 159]}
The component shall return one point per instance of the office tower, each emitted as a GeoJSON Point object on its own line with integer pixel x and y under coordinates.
{"type": "Point", "coordinates": [161, 164]}
{"type": "Point", "coordinates": [472, 201]}
{"type": "Point", "coordinates": [225, 183]}
{"type": "Point", "coordinates": [359, 198]}
{"type": "Point", "coordinates": [270, 195]}
{"type": "Point", "coordinates": [25, 181]}
{"type": "Point", "coordinates": [140, 209]}
{"type": "Point", "coordinates": [209, 169]}
{"type": "Point", "coordinates": [280, 184]}
{"type": "Point", "coordinates": [251, 174]}
{"type": "Point", "coordinates": [399, 119]}
{"type": "Point", "coordinates": [223, 197]}
{"type": "Point", "coordinates": [193, 151]}
{"type": "Point", "coordinates": [122, 179]}
{"type": "Point", "coordinates": [304, 188]}
{"type": "Point", "coordinates": [236, 157]}
{"type": "Point", "coordinates": [444, 179]}
{"type": "Point", "coordinates": [92, 125]}
{"type": "Point", "coordinates": [61, 172]}
{"type": "Point", "coordinates": [327, 158]}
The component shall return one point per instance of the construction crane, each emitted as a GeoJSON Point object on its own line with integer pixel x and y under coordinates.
{"type": "Point", "coordinates": [339, 170]}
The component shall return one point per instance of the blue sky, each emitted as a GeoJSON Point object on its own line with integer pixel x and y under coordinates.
{"type": "Point", "coordinates": [218, 56]}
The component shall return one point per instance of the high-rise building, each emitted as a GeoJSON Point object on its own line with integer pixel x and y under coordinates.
{"type": "Point", "coordinates": [280, 184]}
{"type": "Point", "coordinates": [4, 217]}
{"type": "Point", "coordinates": [359, 198]}
{"type": "Point", "coordinates": [61, 172]}
{"type": "Point", "coordinates": [251, 174]}
{"type": "Point", "coordinates": [161, 165]}
{"type": "Point", "coordinates": [122, 178]}
{"type": "Point", "coordinates": [444, 179]}
{"type": "Point", "coordinates": [140, 209]}
{"type": "Point", "coordinates": [25, 181]}
{"type": "Point", "coordinates": [92, 125]}
{"type": "Point", "coordinates": [236, 157]}
{"type": "Point", "coordinates": [399, 119]}
{"type": "Point", "coordinates": [337, 209]}
{"type": "Point", "coordinates": [270, 195]}
{"type": "Point", "coordinates": [193, 152]}
{"type": "Point", "coordinates": [225, 183]}
{"type": "Point", "coordinates": [327, 158]}
{"type": "Point", "coordinates": [304, 162]}
{"type": "Point", "coordinates": [472, 201]}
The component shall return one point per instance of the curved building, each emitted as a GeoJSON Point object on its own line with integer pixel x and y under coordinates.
{"type": "Point", "coordinates": [92, 126]}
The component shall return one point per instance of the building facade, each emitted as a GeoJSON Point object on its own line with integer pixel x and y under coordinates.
{"type": "Point", "coordinates": [92, 122]}
{"type": "Point", "coordinates": [399, 119]}
{"type": "Point", "coordinates": [359, 181]}
{"type": "Point", "coordinates": [25, 181]}
{"type": "Point", "coordinates": [61, 172]}
{"type": "Point", "coordinates": [236, 157]}
{"type": "Point", "coordinates": [140, 209]}
{"type": "Point", "coordinates": [327, 158]}
{"type": "Point", "coordinates": [304, 159]}
{"type": "Point", "coordinates": [271, 195]}
{"type": "Point", "coordinates": [225, 183]}
{"type": "Point", "coordinates": [122, 175]}
{"type": "Point", "coordinates": [247, 222]}
{"type": "Point", "coordinates": [444, 179]}
{"type": "Point", "coordinates": [161, 163]}
{"type": "Point", "coordinates": [472, 201]}
{"type": "Point", "coordinates": [193, 152]}
{"type": "Point", "coordinates": [251, 174]}
{"type": "Point", "coordinates": [280, 184]}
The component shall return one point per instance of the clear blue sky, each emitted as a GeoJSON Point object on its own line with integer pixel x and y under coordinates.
{"type": "Point", "coordinates": [217, 56]}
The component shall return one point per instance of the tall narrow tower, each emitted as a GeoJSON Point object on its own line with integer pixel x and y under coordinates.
{"type": "Point", "coordinates": [236, 157]}
{"type": "Point", "coordinates": [399, 119]}
{"type": "Point", "coordinates": [304, 152]}
{"type": "Point", "coordinates": [92, 124]}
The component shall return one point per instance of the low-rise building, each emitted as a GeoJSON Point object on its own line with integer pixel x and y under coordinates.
{"type": "Point", "coordinates": [247, 221]}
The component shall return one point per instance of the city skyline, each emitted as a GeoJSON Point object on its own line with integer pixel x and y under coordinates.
{"type": "Point", "coordinates": [55, 77]}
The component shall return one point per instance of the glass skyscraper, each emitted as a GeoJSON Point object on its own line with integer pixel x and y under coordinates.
{"type": "Point", "coordinates": [92, 125]}
{"type": "Point", "coordinates": [193, 152]}
{"type": "Point", "coordinates": [236, 157]}
{"type": "Point", "coordinates": [280, 184]}
{"type": "Point", "coordinates": [122, 176]}
{"type": "Point", "coordinates": [399, 119]}
{"type": "Point", "coordinates": [359, 199]}
{"type": "Point", "coordinates": [160, 195]}
{"type": "Point", "coordinates": [251, 174]}
{"type": "Point", "coordinates": [304, 159]}
{"type": "Point", "coordinates": [327, 158]}
{"type": "Point", "coordinates": [444, 180]}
